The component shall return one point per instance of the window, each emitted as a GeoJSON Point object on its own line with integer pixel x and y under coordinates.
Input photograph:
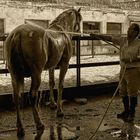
{"type": "Point", "coordinates": [42, 23]}
{"type": "Point", "coordinates": [1, 26]}
{"type": "Point", "coordinates": [114, 28]}
{"type": "Point", "coordinates": [1, 42]}
{"type": "Point", "coordinates": [87, 47]}
{"type": "Point", "coordinates": [89, 27]}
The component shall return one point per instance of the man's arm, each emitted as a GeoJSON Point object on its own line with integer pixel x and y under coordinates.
{"type": "Point", "coordinates": [131, 53]}
{"type": "Point", "coordinates": [115, 40]}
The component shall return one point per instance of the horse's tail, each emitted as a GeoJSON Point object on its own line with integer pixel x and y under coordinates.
{"type": "Point", "coordinates": [15, 55]}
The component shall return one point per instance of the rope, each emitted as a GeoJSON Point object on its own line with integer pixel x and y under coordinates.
{"type": "Point", "coordinates": [85, 34]}
{"type": "Point", "coordinates": [73, 33]}
{"type": "Point", "coordinates": [112, 44]}
{"type": "Point", "coordinates": [93, 136]}
{"type": "Point", "coordinates": [108, 43]}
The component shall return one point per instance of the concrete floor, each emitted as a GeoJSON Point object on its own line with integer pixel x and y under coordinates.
{"type": "Point", "coordinates": [79, 122]}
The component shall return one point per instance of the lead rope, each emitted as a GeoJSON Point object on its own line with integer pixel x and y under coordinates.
{"type": "Point", "coordinates": [94, 134]}
{"type": "Point", "coordinates": [86, 34]}
{"type": "Point", "coordinates": [75, 33]}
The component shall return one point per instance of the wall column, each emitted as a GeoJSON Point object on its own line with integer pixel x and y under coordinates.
{"type": "Point", "coordinates": [103, 27]}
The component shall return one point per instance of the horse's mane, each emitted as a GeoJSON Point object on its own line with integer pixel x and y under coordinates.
{"type": "Point", "coordinates": [64, 15]}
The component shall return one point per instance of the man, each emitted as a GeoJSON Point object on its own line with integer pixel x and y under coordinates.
{"type": "Point", "coordinates": [130, 69]}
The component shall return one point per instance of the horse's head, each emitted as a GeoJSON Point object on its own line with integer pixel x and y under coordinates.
{"type": "Point", "coordinates": [75, 18]}
{"type": "Point", "coordinates": [69, 20]}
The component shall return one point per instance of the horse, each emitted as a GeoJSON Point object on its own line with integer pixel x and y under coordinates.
{"type": "Point", "coordinates": [30, 49]}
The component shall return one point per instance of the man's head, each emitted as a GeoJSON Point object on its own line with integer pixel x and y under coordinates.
{"type": "Point", "coordinates": [133, 31]}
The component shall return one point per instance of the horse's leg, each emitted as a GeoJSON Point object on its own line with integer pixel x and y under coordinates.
{"type": "Point", "coordinates": [35, 83]}
{"type": "Point", "coordinates": [63, 70]}
{"type": "Point", "coordinates": [17, 84]}
{"type": "Point", "coordinates": [51, 85]}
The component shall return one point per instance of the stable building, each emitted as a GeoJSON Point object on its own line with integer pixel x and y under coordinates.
{"type": "Point", "coordinates": [101, 17]}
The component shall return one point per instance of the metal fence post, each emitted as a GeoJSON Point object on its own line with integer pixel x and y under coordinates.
{"type": "Point", "coordinates": [78, 62]}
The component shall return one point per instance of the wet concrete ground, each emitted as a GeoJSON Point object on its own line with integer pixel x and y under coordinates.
{"type": "Point", "coordinates": [79, 122]}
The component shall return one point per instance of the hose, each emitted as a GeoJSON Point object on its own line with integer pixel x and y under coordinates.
{"type": "Point", "coordinates": [93, 136]}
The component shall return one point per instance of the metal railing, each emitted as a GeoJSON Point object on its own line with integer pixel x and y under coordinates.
{"type": "Point", "coordinates": [78, 65]}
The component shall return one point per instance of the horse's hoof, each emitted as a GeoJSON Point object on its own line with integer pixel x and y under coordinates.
{"type": "Point", "coordinates": [53, 105]}
{"type": "Point", "coordinates": [60, 113]}
{"type": "Point", "coordinates": [40, 127]}
{"type": "Point", "coordinates": [20, 132]}
{"type": "Point", "coordinates": [40, 130]}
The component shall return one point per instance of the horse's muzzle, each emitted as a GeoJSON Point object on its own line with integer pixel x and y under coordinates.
{"type": "Point", "coordinates": [77, 27]}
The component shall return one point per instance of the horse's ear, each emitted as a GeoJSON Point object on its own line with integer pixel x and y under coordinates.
{"type": "Point", "coordinates": [79, 10]}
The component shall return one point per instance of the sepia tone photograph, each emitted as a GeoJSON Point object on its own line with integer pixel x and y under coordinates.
{"type": "Point", "coordinates": [69, 69]}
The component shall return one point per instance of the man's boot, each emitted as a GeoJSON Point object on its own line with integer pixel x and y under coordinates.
{"type": "Point", "coordinates": [133, 104]}
{"type": "Point", "coordinates": [125, 114]}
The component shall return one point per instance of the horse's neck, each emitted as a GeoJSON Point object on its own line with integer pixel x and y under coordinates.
{"type": "Point", "coordinates": [58, 28]}
{"type": "Point", "coordinates": [62, 25]}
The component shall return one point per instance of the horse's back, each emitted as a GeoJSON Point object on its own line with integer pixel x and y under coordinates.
{"type": "Point", "coordinates": [26, 32]}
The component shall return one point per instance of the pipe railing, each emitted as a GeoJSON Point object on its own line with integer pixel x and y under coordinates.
{"type": "Point", "coordinates": [78, 65]}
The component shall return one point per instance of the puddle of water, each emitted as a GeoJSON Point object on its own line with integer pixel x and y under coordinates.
{"type": "Point", "coordinates": [116, 133]}
{"type": "Point", "coordinates": [56, 132]}
{"type": "Point", "coordinates": [103, 127]}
